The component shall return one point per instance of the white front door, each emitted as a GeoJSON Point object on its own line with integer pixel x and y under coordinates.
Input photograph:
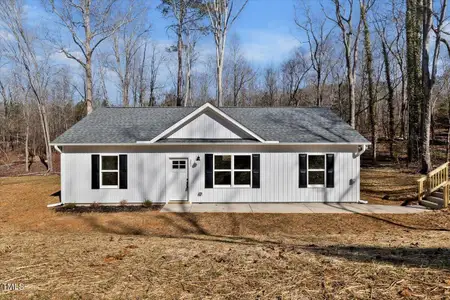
{"type": "Point", "coordinates": [177, 179]}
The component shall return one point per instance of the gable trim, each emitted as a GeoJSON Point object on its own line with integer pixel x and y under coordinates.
{"type": "Point", "coordinates": [195, 113]}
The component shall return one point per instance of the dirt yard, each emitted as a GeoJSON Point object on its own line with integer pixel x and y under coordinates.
{"type": "Point", "coordinates": [150, 255]}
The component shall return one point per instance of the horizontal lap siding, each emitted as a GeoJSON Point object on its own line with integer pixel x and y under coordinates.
{"type": "Point", "coordinates": [147, 178]}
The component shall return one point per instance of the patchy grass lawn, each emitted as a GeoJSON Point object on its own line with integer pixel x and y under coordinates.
{"type": "Point", "coordinates": [388, 185]}
{"type": "Point", "coordinates": [216, 256]}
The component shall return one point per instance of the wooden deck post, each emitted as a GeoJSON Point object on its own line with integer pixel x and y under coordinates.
{"type": "Point", "coordinates": [446, 195]}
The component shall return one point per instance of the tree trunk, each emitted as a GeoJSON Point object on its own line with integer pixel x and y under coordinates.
{"type": "Point", "coordinates": [219, 85]}
{"type": "Point", "coordinates": [27, 135]}
{"type": "Point", "coordinates": [448, 130]}
{"type": "Point", "coordinates": [318, 88]}
{"type": "Point", "coordinates": [180, 66]}
{"type": "Point", "coordinates": [427, 85]}
{"type": "Point", "coordinates": [403, 110]}
{"type": "Point", "coordinates": [141, 78]}
{"type": "Point", "coordinates": [188, 73]}
{"type": "Point", "coordinates": [371, 89]}
{"type": "Point", "coordinates": [89, 84]}
{"type": "Point", "coordinates": [88, 54]}
{"type": "Point", "coordinates": [45, 131]}
{"type": "Point", "coordinates": [412, 50]}
{"type": "Point", "coordinates": [390, 99]}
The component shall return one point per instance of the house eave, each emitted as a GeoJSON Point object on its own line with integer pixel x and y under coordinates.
{"type": "Point", "coordinates": [209, 144]}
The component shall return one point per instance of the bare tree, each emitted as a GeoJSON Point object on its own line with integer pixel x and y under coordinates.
{"type": "Point", "coordinates": [238, 69]}
{"type": "Point", "coordinates": [413, 43]}
{"type": "Point", "coordinates": [319, 37]}
{"type": "Point", "coordinates": [349, 38]}
{"type": "Point", "coordinates": [156, 59]}
{"type": "Point", "coordinates": [429, 76]}
{"type": "Point", "coordinates": [104, 98]}
{"type": "Point", "coordinates": [141, 76]}
{"type": "Point", "coordinates": [365, 5]}
{"type": "Point", "coordinates": [22, 51]}
{"type": "Point", "coordinates": [187, 14]}
{"type": "Point", "coordinates": [294, 71]}
{"type": "Point", "coordinates": [271, 82]}
{"type": "Point", "coordinates": [127, 41]}
{"type": "Point", "coordinates": [221, 19]}
{"type": "Point", "coordinates": [390, 87]}
{"type": "Point", "coordinates": [192, 56]}
{"type": "Point", "coordinates": [90, 23]}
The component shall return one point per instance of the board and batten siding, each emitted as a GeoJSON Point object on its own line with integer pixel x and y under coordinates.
{"type": "Point", "coordinates": [208, 126]}
{"type": "Point", "coordinates": [147, 167]}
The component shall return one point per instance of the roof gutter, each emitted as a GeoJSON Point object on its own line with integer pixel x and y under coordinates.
{"type": "Point", "coordinates": [268, 143]}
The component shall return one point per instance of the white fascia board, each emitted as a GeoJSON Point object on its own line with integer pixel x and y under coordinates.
{"type": "Point", "coordinates": [196, 113]}
{"type": "Point", "coordinates": [145, 143]}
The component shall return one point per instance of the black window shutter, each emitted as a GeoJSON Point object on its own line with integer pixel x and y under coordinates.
{"type": "Point", "coordinates": [209, 173]}
{"type": "Point", "coordinates": [302, 179]}
{"type": "Point", "coordinates": [95, 171]}
{"type": "Point", "coordinates": [123, 171]}
{"type": "Point", "coordinates": [255, 171]}
{"type": "Point", "coordinates": [330, 170]}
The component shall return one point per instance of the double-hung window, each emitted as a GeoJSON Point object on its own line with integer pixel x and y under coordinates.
{"type": "Point", "coordinates": [109, 171]}
{"type": "Point", "coordinates": [232, 170]}
{"type": "Point", "coordinates": [316, 170]}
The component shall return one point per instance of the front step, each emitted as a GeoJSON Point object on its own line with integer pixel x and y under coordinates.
{"type": "Point", "coordinates": [430, 204]}
{"type": "Point", "coordinates": [438, 194]}
{"type": "Point", "coordinates": [436, 200]}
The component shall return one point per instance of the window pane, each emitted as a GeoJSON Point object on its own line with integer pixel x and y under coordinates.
{"type": "Point", "coordinates": [222, 178]}
{"type": "Point", "coordinates": [109, 162]}
{"type": "Point", "coordinates": [110, 178]}
{"type": "Point", "coordinates": [242, 178]}
{"type": "Point", "coordinates": [242, 162]}
{"type": "Point", "coordinates": [222, 162]}
{"type": "Point", "coordinates": [316, 162]}
{"type": "Point", "coordinates": [316, 177]}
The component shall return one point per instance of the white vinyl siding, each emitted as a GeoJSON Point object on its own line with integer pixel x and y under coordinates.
{"type": "Point", "coordinates": [147, 167]}
{"type": "Point", "coordinates": [208, 126]}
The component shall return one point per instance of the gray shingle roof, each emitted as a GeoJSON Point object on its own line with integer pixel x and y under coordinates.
{"type": "Point", "coordinates": [283, 124]}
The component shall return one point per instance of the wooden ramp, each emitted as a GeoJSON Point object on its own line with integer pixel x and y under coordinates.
{"type": "Point", "coordinates": [433, 189]}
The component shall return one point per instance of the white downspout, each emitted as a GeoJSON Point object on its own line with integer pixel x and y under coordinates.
{"type": "Point", "coordinates": [357, 154]}
{"type": "Point", "coordinates": [57, 149]}
{"type": "Point", "coordinates": [59, 203]}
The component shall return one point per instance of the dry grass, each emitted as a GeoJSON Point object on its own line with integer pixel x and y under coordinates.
{"type": "Point", "coordinates": [215, 256]}
{"type": "Point", "coordinates": [388, 185]}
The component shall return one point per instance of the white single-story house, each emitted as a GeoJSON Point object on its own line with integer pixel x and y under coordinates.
{"type": "Point", "coordinates": [209, 154]}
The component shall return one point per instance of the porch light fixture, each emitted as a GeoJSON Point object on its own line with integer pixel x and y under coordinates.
{"type": "Point", "coordinates": [198, 158]}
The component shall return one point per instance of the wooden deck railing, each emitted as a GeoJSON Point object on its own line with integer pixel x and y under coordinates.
{"type": "Point", "coordinates": [436, 179]}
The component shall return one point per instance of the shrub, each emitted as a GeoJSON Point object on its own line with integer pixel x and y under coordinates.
{"type": "Point", "coordinates": [147, 203]}
{"type": "Point", "coordinates": [70, 205]}
{"type": "Point", "coordinates": [123, 202]}
{"type": "Point", "coordinates": [95, 204]}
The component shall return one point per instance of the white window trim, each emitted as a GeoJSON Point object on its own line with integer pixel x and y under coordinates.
{"type": "Point", "coordinates": [324, 170]}
{"type": "Point", "coordinates": [109, 171]}
{"type": "Point", "coordinates": [232, 170]}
